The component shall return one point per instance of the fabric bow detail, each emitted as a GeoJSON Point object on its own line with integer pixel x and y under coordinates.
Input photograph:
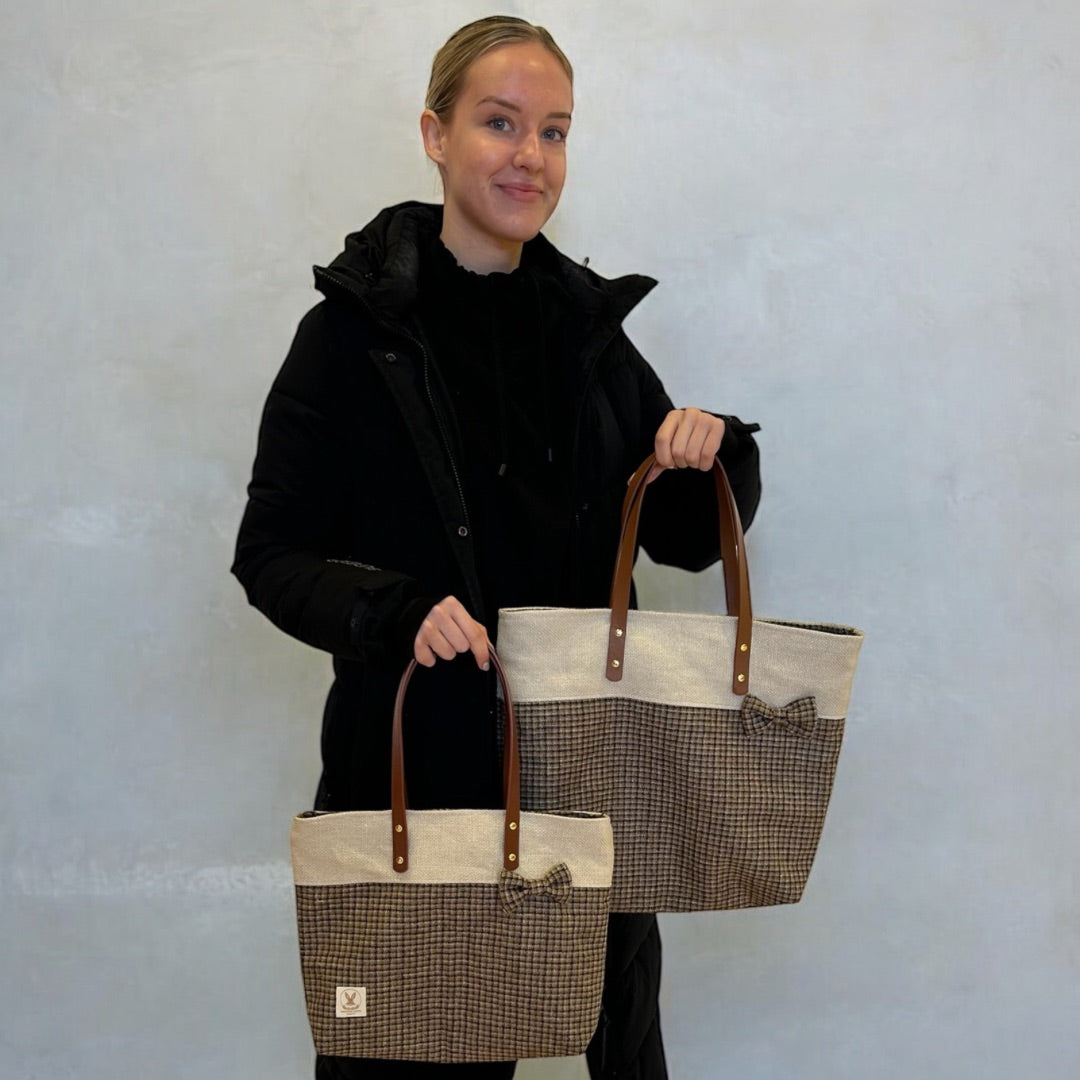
{"type": "Point", "coordinates": [515, 889]}
{"type": "Point", "coordinates": [799, 717]}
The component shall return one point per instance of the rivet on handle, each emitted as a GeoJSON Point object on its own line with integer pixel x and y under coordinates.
{"type": "Point", "coordinates": [736, 573]}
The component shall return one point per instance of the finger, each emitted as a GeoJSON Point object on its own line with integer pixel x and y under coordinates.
{"type": "Point", "coordinates": [694, 453]}
{"type": "Point", "coordinates": [712, 443]}
{"type": "Point", "coordinates": [449, 621]}
{"type": "Point", "coordinates": [654, 472]}
{"type": "Point", "coordinates": [432, 641]}
{"type": "Point", "coordinates": [449, 630]}
{"type": "Point", "coordinates": [474, 636]}
{"type": "Point", "coordinates": [664, 434]}
{"type": "Point", "coordinates": [480, 649]}
{"type": "Point", "coordinates": [436, 643]}
{"type": "Point", "coordinates": [681, 438]}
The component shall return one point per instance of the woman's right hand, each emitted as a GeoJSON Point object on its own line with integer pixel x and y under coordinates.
{"type": "Point", "coordinates": [447, 631]}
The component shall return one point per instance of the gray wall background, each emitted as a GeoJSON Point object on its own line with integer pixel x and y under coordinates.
{"type": "Point", "coordinates": [864, 219]}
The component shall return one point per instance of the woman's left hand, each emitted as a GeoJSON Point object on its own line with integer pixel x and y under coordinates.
{"type": "Point", "coordinates": [687, 439]}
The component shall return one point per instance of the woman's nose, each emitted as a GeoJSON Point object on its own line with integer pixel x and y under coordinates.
{"type": "Point", "coordinates": [529, 155]}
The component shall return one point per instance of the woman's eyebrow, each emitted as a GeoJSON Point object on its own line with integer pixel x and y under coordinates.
{"type": "Point", "coordinates": [509, 105]}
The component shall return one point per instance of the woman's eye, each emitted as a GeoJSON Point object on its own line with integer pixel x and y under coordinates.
{"type": "Point", "coordinates": [555, 135]}
{"type": "Point", "coordinates": [499, 123]}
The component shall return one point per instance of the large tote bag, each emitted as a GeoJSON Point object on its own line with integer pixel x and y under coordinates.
{"type": "Point", "coordinates": [452, 935]}
{"type": "Point", "coordinates": [710, 740]}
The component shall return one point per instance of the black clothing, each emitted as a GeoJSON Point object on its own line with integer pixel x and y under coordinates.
{"type": "Point", "coordinates": [398, 464]}
{"type": "Point", "coordinates": [627, 1044]}
{"type": "Point", "coordinates": [499, 343]}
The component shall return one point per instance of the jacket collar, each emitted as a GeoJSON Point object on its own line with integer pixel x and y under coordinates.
{"type": "Point", "coordinates": [381, 265]}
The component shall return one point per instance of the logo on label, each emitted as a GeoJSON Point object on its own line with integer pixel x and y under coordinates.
{"type": "Point", "coordinates": [351, 1001]}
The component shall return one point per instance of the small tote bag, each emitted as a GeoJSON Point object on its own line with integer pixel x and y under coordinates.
{"type": "Point", "coordinates": [452, 935]}
{"type": "Point", "coordinates": [710, 740]}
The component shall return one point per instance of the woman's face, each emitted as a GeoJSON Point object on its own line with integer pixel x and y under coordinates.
{"type": "Point", "coordinates": [502, 155]}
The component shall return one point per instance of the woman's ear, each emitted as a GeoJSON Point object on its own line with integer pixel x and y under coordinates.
{"type": "Point", "coordinates": [431, 129]}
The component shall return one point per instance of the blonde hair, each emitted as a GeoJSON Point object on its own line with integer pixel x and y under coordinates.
{"type": "Point", "coordinates": [470, 43]}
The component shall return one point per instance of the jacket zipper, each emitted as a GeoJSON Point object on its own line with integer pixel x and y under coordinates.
{"type": "Point", "coordinates": [402, 332]}
{"type": "Point", "coordinates": [443, 432]}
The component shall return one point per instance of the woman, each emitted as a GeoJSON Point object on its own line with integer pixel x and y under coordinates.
{"type": "Point", "coordinates": [451, 433]}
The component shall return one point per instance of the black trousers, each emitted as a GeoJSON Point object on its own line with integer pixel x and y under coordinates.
{"type": "Point", "coordinates": [627, 1044]}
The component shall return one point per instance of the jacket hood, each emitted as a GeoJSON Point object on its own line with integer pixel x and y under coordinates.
{"type": "Point", "coordinates": [381, 264]}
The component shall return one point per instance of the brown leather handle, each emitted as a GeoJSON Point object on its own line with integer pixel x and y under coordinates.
{"type": "Point", "coordinates": [736, 574]}
{"type": "Point", "coordinates": [399, 799]}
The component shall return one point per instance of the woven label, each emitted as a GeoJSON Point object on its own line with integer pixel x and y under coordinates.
{"type": "Point", "coordinates": [351, 1001]}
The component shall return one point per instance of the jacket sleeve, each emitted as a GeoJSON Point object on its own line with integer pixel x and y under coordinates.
{"type": "Point", "coordinates": [291, 555]}
{"type": "Point", "coordinates": [679, 518]}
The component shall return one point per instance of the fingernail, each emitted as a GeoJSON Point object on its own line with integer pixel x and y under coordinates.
{"type": "Point", "coordinates": [485, 667]}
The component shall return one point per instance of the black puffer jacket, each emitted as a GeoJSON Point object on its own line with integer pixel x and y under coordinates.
{"type": "Point", "coordinates": [357, 517]}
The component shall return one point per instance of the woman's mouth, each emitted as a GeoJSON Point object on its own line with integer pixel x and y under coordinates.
{"type": "Point", "coordinates": [521, 192]}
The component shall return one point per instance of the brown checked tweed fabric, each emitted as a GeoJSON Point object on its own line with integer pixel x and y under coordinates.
{"type": "Point", "coordinates": [800, 717]}
{"type": "Point", "coordinates": [514, 889]}
{"type": "Point", "coordinates": [711, 808]}
{"type": "Point", "coordinates": [446, 973]}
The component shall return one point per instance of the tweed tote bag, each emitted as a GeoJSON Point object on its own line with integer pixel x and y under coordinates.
{"type": "Point", "coordinates": [710, 740]}
{"type": "Point", "coordinates": [452, 935]}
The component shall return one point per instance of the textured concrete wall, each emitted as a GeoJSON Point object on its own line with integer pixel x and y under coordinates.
{"type": "Point", "coordinates": [864, 219]}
